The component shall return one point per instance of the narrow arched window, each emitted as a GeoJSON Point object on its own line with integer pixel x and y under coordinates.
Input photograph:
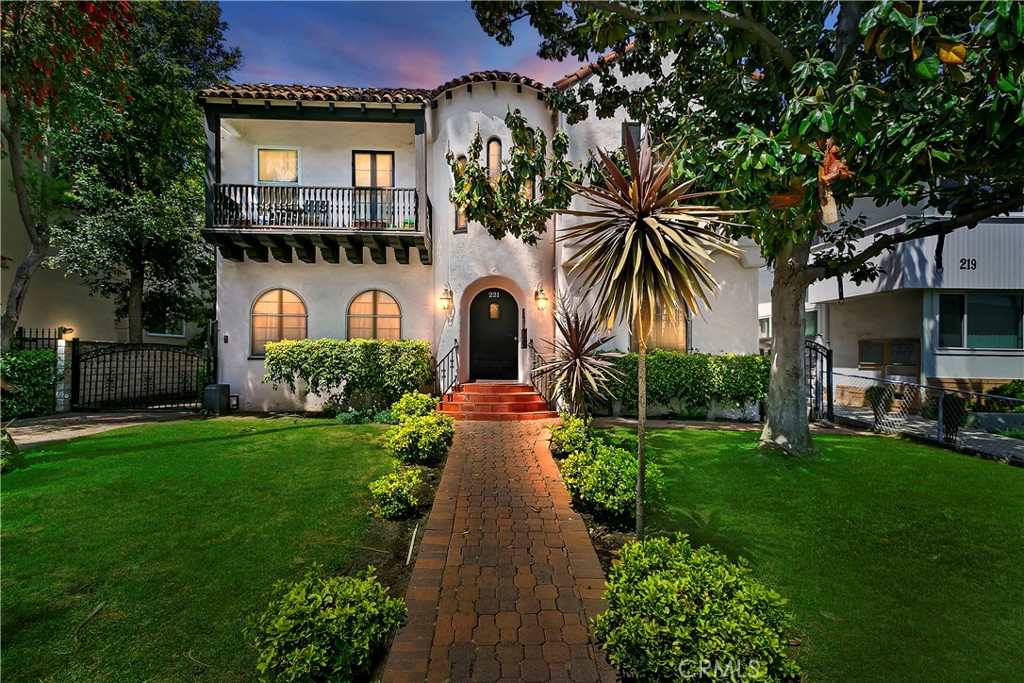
{"type": "Point", "coordinates": [493, 157]}
{"type": "Point", "coordinates": [276, 314]}
{"type": "Point", "coordinates": [460, 217]}
{"type": "Point", "coordinates": [531, 187]}
{"type": "Point", "coordinates": [374, 315]}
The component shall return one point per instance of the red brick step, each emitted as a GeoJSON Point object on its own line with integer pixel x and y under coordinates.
{"type": "Point", "coordinates": [495, 401]}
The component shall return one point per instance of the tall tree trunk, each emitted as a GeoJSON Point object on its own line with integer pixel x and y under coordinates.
{"type": "Point", "coordinates": [786, 425]}
{"type": "Point", "coordinates": [641, 435]}
{"type": "Point", "coordinates": [135, 286]}
{"type": "Point", "coordinates": [17, 293]}
{"type": "Point", "coordinates": [38, 232]}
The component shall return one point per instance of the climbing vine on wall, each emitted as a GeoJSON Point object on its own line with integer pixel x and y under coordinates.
{"type": "Point", "coordinates": [532, 182]}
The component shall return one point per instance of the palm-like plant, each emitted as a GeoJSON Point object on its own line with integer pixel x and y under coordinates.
{"type": "Point", "coordinates": [579, 371]}
{"type": "Point", "coordinates": [646, 246]}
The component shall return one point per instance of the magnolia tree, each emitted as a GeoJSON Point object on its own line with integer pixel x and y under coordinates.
{"type": "Point", "coordinates": [804, 107]}
{"type": "Point", "coordinates": [61, 65]}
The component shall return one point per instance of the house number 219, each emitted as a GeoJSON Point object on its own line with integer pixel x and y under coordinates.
{"type": "Point", "coordinates": [968, 264]}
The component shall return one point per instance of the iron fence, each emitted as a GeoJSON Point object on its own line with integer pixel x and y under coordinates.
{"type": "Point", "coordinates": [40, 337]}
{"type": "Point", "coordinates": [982, 423]}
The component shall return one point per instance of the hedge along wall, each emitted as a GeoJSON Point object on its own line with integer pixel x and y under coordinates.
{"type": "Point", "coordinates": [34, 372]}
{"type": "Point", "coordinates": [694, 385]}
{"type": "Point", "coordinates": [357, 372]}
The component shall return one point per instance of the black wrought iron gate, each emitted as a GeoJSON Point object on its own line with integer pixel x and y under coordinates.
{"type": "Point", "coordinates": [818, 369]}
{"type": "Point", "coordinates": [106, 376]}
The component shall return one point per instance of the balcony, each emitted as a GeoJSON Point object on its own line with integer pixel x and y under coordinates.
{"type": "Point", "coordinates": [259, 221]}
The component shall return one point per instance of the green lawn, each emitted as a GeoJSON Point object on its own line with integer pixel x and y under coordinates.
{"type": "Point", "coordinates": [902, 562]}
{"type": "Point", "coordinates": [179, 530]}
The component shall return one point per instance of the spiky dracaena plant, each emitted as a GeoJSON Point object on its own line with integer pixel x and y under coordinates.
{"type": "Point", "coordinates": [644, 246]}
{"type": "Point", "coordinates": [579, 371]}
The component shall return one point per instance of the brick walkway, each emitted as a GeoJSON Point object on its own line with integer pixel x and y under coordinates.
{"type": "Point", "coordinates": [506, 577]}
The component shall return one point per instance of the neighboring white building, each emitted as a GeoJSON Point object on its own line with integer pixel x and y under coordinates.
{"type": "Point", "coordinates": [961, 326]}
{"type": "Point", "coordinates": [330, 210]}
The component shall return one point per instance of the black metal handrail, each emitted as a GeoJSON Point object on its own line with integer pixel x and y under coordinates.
{"type": "Point", "coordinates": [446, 374]}
{"type": "Point", "coordinates": [303, 206]}
{"type": "Point", "coordinates": [539, 378]}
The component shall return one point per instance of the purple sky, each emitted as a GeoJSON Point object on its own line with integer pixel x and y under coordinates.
{"type": "Point", "coordinates": [386, 44]}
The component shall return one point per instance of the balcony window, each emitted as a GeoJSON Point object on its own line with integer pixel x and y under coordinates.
{"type": "Point", "coordinates": [374, 315]}
{"type": "Point", "coordinates": [277, 314]}
{"type": "Point", "coordinates": [765, 327]}
{"type": "Point", "coordinates": [277, 165]}
{"type": "Point", "coordinates": [981, 321]}
{"type": "Point", "coordinates": [374, 177]}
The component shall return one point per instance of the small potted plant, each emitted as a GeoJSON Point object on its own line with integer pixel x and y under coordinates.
{"type": "Point", "coordinates": [954, 416]}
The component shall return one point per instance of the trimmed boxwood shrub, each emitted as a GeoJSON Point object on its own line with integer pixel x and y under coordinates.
{"type": "Point", "coordinates": [672, 607]}
{"type": "Point", "coordinates": [413, 404]}
{"type": "Point", "coordinates": [358, 372]}
{"type": "Point", "coordinates": [393, 494]}
{"type": "Point", "coordinates": [34, 372]}
{"type": "Point", "coordinates": [324, 628]}
{"type": "Point", "coordinates": [602, 479]}
{"type": "Point", "coordinates": [572, 435]}
{"type": "Point", "coordinates": [423, 440]}
{"type": "Point", "coordinates": [692, 381]}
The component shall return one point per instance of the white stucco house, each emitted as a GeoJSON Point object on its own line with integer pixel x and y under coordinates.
{"type": "Point", "coordinates": [330, 210]}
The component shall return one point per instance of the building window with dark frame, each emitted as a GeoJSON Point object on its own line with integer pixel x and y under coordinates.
{"type": "Point", "coordinates": [877, 354]}
{"type": "Point", "coordinates": [374, 314]}
{"type": "Point", "coordinates": [460, 218]}
{"type": "Point", "coordinates": [668, 331]}
{"type": "Point", "coordinates": [373, 176]}
{"type": "Point", "coordinates": [277, 165]}
{"type": "Point", "coordinates": [276, 314]}
{"type": "Point", "coordinates": [631, 130]}
{"type": "Point", "coordinates": [493, 158]}
{"type": "Point", "coordinates": [981, 321]}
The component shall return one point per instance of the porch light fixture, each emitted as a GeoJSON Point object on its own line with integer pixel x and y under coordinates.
{"type": "Point", "coordinates": [540, 297]}
{"type": "Point", "coordinates": [447, 301]}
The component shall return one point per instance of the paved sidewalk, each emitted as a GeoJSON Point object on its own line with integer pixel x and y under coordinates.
{"type": "Point", "coordinates": [506, 578]}
{"type": "Point", "coordinates": [40, 431]}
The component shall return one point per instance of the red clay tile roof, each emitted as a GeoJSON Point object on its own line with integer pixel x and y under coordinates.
{"type": "Point", "coordinates": [490, 77]}
{"type": "Point", "coordinates": [341, 93]}
{"type": "Point", "coordinates": [575, 77]}
{"type": "Point", "coordinates": [315, 93]}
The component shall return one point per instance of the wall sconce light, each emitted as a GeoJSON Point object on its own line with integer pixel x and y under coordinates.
{"type": "Point", "coordinates": [447, 302]}
{"type": "Point", "coordinates": [62, 330]}
{"type": "Point", "coordinates": [540, 297]}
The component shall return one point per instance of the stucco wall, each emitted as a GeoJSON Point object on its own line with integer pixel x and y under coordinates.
{"type": "Point", "coordinates": [325, 148]}
{"type": "Point", "coordinates": [327, 289]}
{"type": "Point", "coordinates": [474, 261]}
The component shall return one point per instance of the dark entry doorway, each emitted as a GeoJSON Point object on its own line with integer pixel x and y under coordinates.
{"type": "Point", "coordinates": [493, 348]}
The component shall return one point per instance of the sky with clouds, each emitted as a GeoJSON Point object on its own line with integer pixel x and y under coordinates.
{"type": "Point", "coordinates": [384, 44]}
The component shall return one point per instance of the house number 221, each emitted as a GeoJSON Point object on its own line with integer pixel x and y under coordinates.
{"type": "Point", "coordinates": [968, 264]}
{"type": "Point", "coordinates": [494, 295]}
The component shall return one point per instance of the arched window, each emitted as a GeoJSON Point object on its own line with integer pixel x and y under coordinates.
{"type": "Point", "coordinates": [531, 187]}
{"type": "Point", "coordinates": [460, 218]}
{"type": "Point", "coordinates": [374, 315]}
{"type": "Point", "coordinates": [493, 157]}
{"type": "Point", "coordinates": [277, 314]}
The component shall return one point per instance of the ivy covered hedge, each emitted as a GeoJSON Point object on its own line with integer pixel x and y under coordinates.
{"type": "Point", "coordinates": [360, 372]}
{"type": "Point", "coordinates": [34, 373]}
{"type": "Point", "coordinates": [688, 383]}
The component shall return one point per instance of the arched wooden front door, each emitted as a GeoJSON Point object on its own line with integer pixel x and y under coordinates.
{"type": "Point", "coordinates": [493, 336]}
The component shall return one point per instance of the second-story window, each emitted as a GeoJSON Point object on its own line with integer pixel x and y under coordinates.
{"type": "Point", "coordinates": [460, 217]}
{"type": "Point", "coordinates": [493, 158]}
{"type": "Point", "coordinates": [373, 175]}
{"type": "Point", "coordinates": [277, 165]}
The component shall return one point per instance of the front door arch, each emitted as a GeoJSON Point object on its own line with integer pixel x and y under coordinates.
{"type": "Point", "coordinates": [493, 338]}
